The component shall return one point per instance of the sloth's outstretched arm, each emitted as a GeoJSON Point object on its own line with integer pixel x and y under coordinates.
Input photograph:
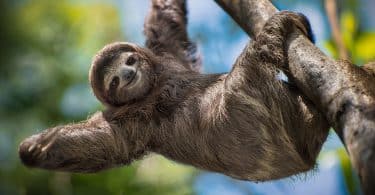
{"type": "Point", "coordinates": [166, 32]}
{"type": "Point", "coordinates": [88, 146]}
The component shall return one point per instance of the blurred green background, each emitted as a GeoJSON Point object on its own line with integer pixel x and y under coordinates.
{"type": "Point", "coordinates": [45, 53]}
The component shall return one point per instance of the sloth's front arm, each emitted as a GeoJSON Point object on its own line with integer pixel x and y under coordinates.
{"type": "Point", "coordinates": [88, 146]}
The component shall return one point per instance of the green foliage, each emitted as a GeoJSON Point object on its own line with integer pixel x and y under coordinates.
{"type": "Point", "coordinates": [364, 49]}
{"type": "Point", "coordinates": [349, 176]}
{"type": "Point", "coordinates": [360, 43]}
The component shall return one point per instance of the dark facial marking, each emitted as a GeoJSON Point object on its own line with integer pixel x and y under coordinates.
{"type": "Point", "coordinates": [131, 60]}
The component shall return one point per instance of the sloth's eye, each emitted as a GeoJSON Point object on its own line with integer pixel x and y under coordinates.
{"type": "Point", "coordinates": [130, 61]}
{"type": "Point", "coordinates": [114, 82]}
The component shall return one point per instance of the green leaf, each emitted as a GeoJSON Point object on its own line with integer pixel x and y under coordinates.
{"type": "Point", "coordinates": [365, 46]}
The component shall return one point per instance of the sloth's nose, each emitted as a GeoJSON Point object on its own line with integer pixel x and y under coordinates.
{"type": "Point", "coordinates": [127, 73]}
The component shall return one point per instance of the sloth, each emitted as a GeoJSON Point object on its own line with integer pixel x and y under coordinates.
{"type": "Point", "coordinates": [246, 124]}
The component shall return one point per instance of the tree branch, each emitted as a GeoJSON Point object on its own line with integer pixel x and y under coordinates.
{"type": "Point", "coordinates": [331, 10]}
{"type": "Point", "coordinates": [344, 93]}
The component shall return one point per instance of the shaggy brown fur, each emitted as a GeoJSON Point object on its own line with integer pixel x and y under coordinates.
{"type": "Point", "coordinates": [243, 124]}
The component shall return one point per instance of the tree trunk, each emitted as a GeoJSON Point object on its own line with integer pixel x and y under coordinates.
{"type": "Point", "coordinates": [342, 92]}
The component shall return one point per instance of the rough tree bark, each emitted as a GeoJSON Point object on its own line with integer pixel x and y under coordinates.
{"type": "Point", "coordinates": [343, 92]}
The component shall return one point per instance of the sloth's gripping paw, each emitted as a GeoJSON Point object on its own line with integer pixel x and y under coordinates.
{"type": "Point", "coordinates": [34, 149]}
{"type": "Point", "coordinates": [299, 20]}
{"type": "Point", "coordinates": [271, 42]}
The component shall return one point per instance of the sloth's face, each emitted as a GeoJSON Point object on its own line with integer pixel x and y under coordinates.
{"type": "Point", "coordinates": [121, 72]}
{"type": "Point", "coordinates": [125, 78]}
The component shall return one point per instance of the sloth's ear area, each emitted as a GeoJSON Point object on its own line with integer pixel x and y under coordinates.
{"type": "Point", "coordinates": [111, 51]}
{"type": "Point", "coordinates": [88, 146]}
{"type": "Point", "coordinates": [112, 48]}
